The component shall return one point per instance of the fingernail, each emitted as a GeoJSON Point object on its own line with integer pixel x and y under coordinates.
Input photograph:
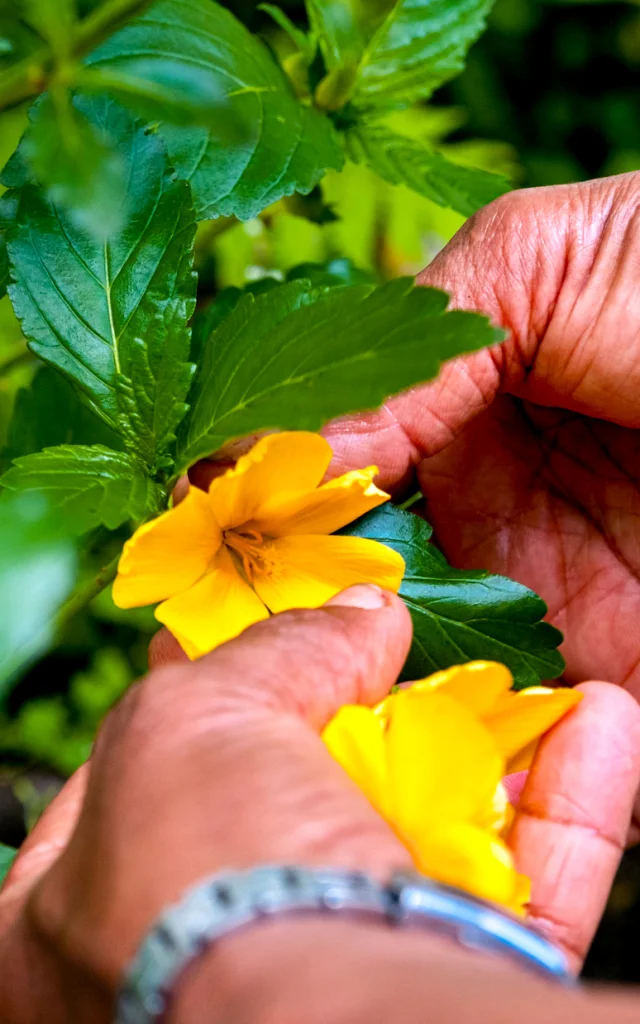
{"type": "Point", "coordinates": [364, 595]}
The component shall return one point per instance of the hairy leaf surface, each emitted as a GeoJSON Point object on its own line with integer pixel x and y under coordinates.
{"type": "Point", "coordinates": [404, 161]}
{"type": "Point", "coordinates": [91, 484]}
{"type": "Point", "coordinates": [285, 146]}
{"type": "Point", "coordinates": [420, 45]}
{"type": "Point", "coordinates": [461, 615]}
{"type": "Point", "coordinates": [113, 315]}
{"type": "Point", "coordinates": [296, 356]}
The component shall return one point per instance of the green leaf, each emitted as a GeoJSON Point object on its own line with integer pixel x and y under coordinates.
{"type": "Point", "coordinates": [92, 485]}
{"type": "Point", "coordinates": [37, 573]}
{"type": "Point", "coordinates": [287, 146]}
{"type": "Point", "coordinates": [5, 274]}
{"type": "Point", "coordinates": [187, 96]}
{"type": "Point", "coordinates": [75, 161]}
{"type": "Point", "coordinates": [332, 274]}
{"type": "Point", "coordinates": [462, 615]}
{"type": "Point", "coordinates": [296, 356]}
{"type": "Point", "coordinates": [420, 45]}
{"type": "Point", "coordinates": [113, 315]}
{"type": "Point", "coordinates": [7, 857]}
{"type": "Point", "coordinates": [49, 412]}
{"type": "Point", "coordinates": [54, 22]}
{"type": "Point", "coordinates": [335, 23]}
{"type": "Point", "coordinates": [303, 41]}
{"type": "Point", "coordinates": [410, 162]}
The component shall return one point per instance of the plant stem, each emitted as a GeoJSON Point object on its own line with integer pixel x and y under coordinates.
{"type": "Point", "coordinates": [86, 593]}
{"type": "Point", "coordinates": [30, 76]}
{"type": "Point", "coordinates": [21, 359]}
{"type": "Point", "coordinates": [102, 22]}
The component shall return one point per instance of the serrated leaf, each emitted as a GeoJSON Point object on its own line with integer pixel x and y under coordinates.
{"type": "Point", "coordinates": [113, 315]}
{"type": "Point", "coordinates": [410, 162]}
{"type": "Point", "coordinates": [7, 857]}
{"type": "Point", "coordinates": [420, 45]}
{"type": "Point", "coordinates": [297, 356]}
{"type": "Point", "coordinates": [37, 573]}
{"type": "Point", "coordinates": [49, 412]}
{"type": "Point", "coordinates": [92, 485]}
{"type": "Point", "coordinates": [287, 147]}
{"type": "Point", "coordinates": [462, 615]}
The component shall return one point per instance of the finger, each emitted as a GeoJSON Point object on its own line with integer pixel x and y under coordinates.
{"type": "Point", "coordinates": [165, 649]}
{"type": "Point", "coordinates": [49, 836]}
{"type": "Point", "coordinates": [574, 813]}
{"type": "Point", "coordinates": [228, 748]}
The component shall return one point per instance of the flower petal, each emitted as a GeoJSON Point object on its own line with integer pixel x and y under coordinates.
{"type": "Point", "coordinates": [325, 509]}
{"type": "Point", "coordinates": [279, 464]}
{"type": "Point", "coordinates": [167, 555]}
{"type": "Point", "coordinates": [460, 854]}
{"type": "Point", "coordinates": [522, 761]}
{"type": "Point", "coordinates": [355, 738]}
{"type": "Point", "coordinates": [477, 685]}
{"type": "Point", "coordinates": [522, 717]}
{"type": "Point", "coordinates": [443, 764]}
{"type": "Point", "coordinates": [216, 609]}
{"type": "Point", "coordinates": [308, 570]}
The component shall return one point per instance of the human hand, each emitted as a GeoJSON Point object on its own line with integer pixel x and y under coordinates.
{"type": "Point", "coordinates": [219, 762]}
{"type": "Point", "coordinates": [528, 453]}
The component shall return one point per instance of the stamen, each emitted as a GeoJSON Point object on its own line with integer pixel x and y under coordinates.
{"type": "Point", "coordinates": [257, 556]}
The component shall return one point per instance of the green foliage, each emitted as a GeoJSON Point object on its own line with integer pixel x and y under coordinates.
{"type": "Point", "coordinates": [7, 857]}
{"type": "Point", "coordinates": [75, 162]}
{"type": "Point", "coordinates": [403, 161]}
{"type": "Point", "coordinates": [113, 314]}
{"type": "Point", "coordinates": [4, 267]}
{"type": "Point", "coordinates": [53, 22]}
{"type": "Point", "coordinates": [97, 249]}
{"type": "Point", "coordinates": [49, 412]}
{"type": "Point", "coordinates": [297, 356]}
{"type": "Point", "coordinates": [460, 614]}
{"type": "Point", "coordinates": [37, 573]}
{"type": "Point", "coordinates": [59, 731]}
{"type": "Point", "coordinates": [90, 485]}
{"type": "Point", "coordinates": [417, 48]}
{"type": "Point", "coordinates": [288, 146]}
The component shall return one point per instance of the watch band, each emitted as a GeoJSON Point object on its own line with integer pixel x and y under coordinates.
{"type": "Point", "coordinates": [230, 900]}
{"type": "Point", "coordinates": [419, 901]}
{"type": "Point", "coordinates": [222, 904]}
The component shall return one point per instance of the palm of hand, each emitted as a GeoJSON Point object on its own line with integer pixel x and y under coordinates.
{"type": "Point", "coordinates": [529, 456]}
{"type": "Point", "coordinates": [551, 498]}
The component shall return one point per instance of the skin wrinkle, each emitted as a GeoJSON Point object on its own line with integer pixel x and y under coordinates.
{"type": "Point", "coordinates": [547, 487]}
{"type": "Point", "coordinates": [511, 520]}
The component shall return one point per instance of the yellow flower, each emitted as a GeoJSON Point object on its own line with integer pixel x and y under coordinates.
{"type": "Point", "coordinates": [256, 542]}
{"type": "Point", "coordinates": [431, 758]}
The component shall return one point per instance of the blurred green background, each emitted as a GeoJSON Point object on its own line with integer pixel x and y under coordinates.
{"type": "Point", "coordinates": [549, 95]}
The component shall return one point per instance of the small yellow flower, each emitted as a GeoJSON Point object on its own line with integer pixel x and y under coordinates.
{"type": "Point", "coordinates": [431, 758]}
{"type": "Point", "coordinates": [256, 542]}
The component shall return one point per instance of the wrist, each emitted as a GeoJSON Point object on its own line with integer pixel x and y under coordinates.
{"type": "Point", "coordinates": [330, 970]}
{"type": "Point", "coordinates": [284, 970]}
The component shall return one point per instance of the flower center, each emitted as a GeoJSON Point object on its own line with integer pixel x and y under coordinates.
{"type": "Point", "coordinates": [258, 555]}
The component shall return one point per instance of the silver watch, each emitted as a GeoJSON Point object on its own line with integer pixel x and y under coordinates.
{"type": "Point", "coordinates": [231, 900]}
